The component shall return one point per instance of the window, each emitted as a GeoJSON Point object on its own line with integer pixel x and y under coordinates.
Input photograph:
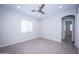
{"type": "Point", "coordinates": [70, 27]}
{"type": "Point", "coordinates": [26, 26]}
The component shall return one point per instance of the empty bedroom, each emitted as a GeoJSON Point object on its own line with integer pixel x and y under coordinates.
{"type": "Point", "coordinates": [39, 29]}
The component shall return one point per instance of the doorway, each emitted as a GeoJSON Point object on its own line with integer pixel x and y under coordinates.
{"type": "Point", "coordinates": [68, 28]}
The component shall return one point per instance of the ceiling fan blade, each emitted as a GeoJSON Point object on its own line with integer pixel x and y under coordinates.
{"type": "Point", "coordinates": [42, 6]}
{"type": "Point", "coordinates": [40, 9]}
{"type": "Point", "coordinates": [42, 12]}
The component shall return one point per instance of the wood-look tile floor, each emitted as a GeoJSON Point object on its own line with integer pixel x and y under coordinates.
{"type": "Point", "coordinates": [40, 46]}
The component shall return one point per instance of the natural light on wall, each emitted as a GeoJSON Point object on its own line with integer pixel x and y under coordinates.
{"type": "Point", "coordinates": [26, 26]}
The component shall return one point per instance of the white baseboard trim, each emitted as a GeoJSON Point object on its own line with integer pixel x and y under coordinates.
{"type": "Point", "coordinates": [52, 39]}
{"type": "Point", "coordinates": [26, 40]}
{"type": "Point", "coordinates": [16, 42]}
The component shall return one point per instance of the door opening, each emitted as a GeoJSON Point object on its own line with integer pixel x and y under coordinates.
{"type": "Point", "coordinates": [68, 28]}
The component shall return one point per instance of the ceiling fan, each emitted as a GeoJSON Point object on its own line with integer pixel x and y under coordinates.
{"type": "Point", "coordinates": [40, 9]}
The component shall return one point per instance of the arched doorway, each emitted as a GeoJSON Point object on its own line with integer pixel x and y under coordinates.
{"type": "Point", "coordinates": [68, 28]}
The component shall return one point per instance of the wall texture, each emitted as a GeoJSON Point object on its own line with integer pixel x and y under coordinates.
{"type": "Point", "coordinates": [77, 30]}
{"type": "Point", "coordinates": [10, 27]}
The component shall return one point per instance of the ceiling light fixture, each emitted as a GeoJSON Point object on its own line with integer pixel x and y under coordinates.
{"type": "Point", "coordinates": [60, 6]}
{"type": "Point", "coordinates": [18, 6]}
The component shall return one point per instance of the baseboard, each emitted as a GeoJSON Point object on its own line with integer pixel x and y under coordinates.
{"type": "Point", "coordinates": [17, 42]}
{"type": "Point", "coordinates": [52, 39]}
{"type": "Point", "coordinates": [26, 40]}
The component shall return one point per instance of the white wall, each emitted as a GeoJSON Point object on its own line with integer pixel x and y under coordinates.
{"type": "Point", "coordinates": [52, 26]}
{"type": "Point", "coordinates": [10, 27]}
{"type": "Point", "coordinates": [77, 30]}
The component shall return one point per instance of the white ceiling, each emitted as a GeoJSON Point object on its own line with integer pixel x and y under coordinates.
{"type": "Point", "coordinates": [49, 9]}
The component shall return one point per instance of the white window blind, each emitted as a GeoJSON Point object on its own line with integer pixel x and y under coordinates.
{"type": "Point", "coordinates": [26, 26]}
